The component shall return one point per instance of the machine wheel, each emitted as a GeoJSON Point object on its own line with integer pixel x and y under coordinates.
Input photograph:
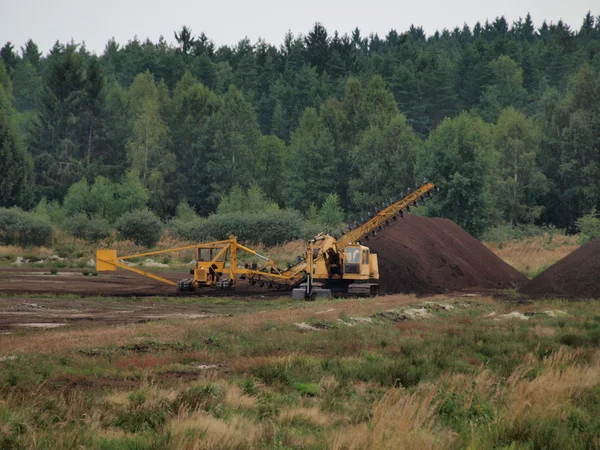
{"type": "Point", "coordinates": [186, 285]}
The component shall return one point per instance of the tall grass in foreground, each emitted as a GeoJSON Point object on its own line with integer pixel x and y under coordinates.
{"type": "Point", "coordinates": [550, 409]}
{"type": "Point", "coordinates": [463, 379]}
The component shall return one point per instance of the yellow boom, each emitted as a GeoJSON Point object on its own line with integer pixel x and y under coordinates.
{"type": "Point", "coordinates": [214, 261]}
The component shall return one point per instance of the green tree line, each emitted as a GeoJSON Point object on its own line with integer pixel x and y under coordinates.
{"type": "Point", "coordinates": [505, 118]}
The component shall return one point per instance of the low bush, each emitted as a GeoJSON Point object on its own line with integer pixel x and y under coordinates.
{"type": "Point", "coordinates": [142, 419]}
{"type": "Point", "coordinates": [91, 229]}
{"type": "Point", "coordinates": [506, 232]}
{"type": "Point", "coordinates": [207, 397]}
{"type": "Point", "coordinates": [142, 227]}
{"type": "Point", "coordinates": [270, 228]}
{"type": "Point", "coordinates": [22, 228]}
{"type": "Point", "coordinates": [588, 226]}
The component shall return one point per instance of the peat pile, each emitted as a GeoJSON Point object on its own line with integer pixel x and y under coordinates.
{"type": "Point", "coordinates": [575, 276]}
{"type": "Point", "coordinates": [429, 255]}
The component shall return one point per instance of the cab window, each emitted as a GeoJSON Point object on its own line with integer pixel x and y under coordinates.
{"type": "Point", "coordinates": [352, 256]}
{"type": "Point", "coordinates": [205, 254]}
{"type": "Point", "coordinates": [365, 257]}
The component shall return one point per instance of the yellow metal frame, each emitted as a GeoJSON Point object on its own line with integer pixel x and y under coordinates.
{"type": "Point", "coordinates": [108, 260]}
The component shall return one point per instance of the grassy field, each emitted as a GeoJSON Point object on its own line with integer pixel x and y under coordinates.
{"type": "Point", "coordinates": [388, 372]}
{"type": "Point", "coordinates": [532, 256]}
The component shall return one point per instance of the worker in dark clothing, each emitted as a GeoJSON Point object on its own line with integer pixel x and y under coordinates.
{"type": "Point", "coordinates": [333, 262]}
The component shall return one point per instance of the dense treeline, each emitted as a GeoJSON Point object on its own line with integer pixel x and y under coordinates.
{"type": "Point", "coordinates": [505, 118]}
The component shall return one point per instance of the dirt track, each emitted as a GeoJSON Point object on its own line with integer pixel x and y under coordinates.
{"type": "Point", "coordinates": [121, 283]}
{"type": "Point", "coordinates": [72, 281]}
{"type": "Point", "coordinates": [20, 313]}
{"type": "Point", "coordinates": [25, 303]}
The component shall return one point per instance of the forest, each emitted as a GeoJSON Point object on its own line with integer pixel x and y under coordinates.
{"type": "Point", "coordinates": [504, 118]}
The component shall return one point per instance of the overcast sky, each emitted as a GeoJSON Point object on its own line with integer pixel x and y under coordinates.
{"type": "Point", "coordinates": [226, 22]}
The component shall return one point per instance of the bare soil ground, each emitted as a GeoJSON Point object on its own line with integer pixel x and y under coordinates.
{"type": "Point", "coordinates": [27, 312]}
{"type": "Point", "coordinates": [69, 281]}
{"type": "Point", "coordinates": [121, 283]}
{"type": "Point", "coordinates": [34, 298]}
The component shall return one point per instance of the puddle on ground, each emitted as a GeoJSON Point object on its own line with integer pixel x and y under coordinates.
{"type": "Point", "coordinates": [39, 325]}
{"type": "Point", "coordinates": [175, 315]}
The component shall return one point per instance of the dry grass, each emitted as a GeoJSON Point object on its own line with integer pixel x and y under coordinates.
{"type": "Point", "coordinates": [400, 421]}
{"type": "Point", "coordinates": [533, 255]}
{"type": "Point", "coordinates": [37, 252]}
{"type": "Point", "coordinates": [236, 398]}
{"type": "Point", "coordinates": [560, 378]}
{"type": "Point", "coordinates": [282, 253]}
{"type": "Point", "coordinates": [310, 414]}
{"type": "Point", "coordinates": [199, 430]}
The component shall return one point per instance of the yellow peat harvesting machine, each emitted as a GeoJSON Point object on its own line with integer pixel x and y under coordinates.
{"type": "Point", "coordinates": [332, 265]}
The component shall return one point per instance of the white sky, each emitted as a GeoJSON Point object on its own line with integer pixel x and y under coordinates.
{"type": "Point", "coordinates": [226, 22]}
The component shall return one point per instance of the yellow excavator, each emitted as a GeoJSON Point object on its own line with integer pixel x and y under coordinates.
{"type": "Point", "coordinates": [331, 265]}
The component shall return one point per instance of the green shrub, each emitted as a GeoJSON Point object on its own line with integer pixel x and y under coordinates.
{"type": "Point", "coordinates": [331, 213]}
{"type": "Point", "coordinates": [22, 228]}
{"type": "Point", "coordinates": [251, 201]}
{"type": "Point", "coordinates": [91, 229]}
{"type": "Point", "coordinates": [588, 226]}
{"type": "Point", "coordinates": [142, 227]}
{"type": "Point", "coordinates": [105, 198]}
{"type": "Point", "coordinates": [329, 218]}
{"type": "Point", "coordinates": [272, 374]}
{"type": "Point", "coordinates": [53, 211]}
{"type": "Point", "coordinates": [142, 419]}
{"type": "Point", "coordinates": [309, 230]}
{"type": "Point", "coordinates": [207, 397]}
{"type": "Point", "coordinates": [506, 232]}
{"type": "Point", "coordinates": [270, 228]}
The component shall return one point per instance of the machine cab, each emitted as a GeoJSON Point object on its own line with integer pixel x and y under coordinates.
{"type": "Point", "coordinates": [357, 264]}
{"type": "Point", "coordinates": [209, 264]}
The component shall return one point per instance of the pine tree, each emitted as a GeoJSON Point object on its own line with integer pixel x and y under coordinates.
{"type": "Point", "coordinates": [16, 174]}
{"type": "Point", "coordinates": [31, 53]}
{"type": "Point", "coordinates": [185, 39]}
{"type": "Point", "coordinates": [317, 47]}
{"type": "Point", "coordinates": [26, 85]}
{"type": "Point", "coordinates": [9, 57]}
{"type": "Point", "coordinates": [59, 149]}
{"type": "Point", "coordinates": [235, 137]}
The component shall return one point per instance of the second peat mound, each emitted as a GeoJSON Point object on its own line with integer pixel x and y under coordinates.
{"type": "Point", "coordinates": [425, 255]}
{"type": "Point", "coordinates": [574, 276]}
